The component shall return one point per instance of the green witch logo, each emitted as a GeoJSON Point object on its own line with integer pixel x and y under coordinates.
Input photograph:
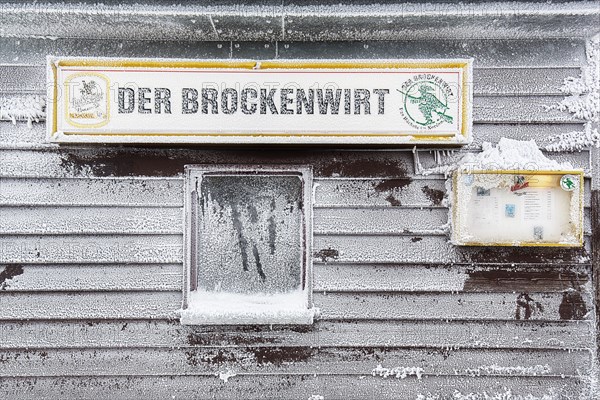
{"type": "Point", "coordinates": [425, 104]}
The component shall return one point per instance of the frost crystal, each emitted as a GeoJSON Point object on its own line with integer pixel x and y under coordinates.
{"type": "Point", "coordinates": [506, 395]}
{"type": "Point", "coordinates": [224, 376]}
{"type": "Point", "coordinates": [583, 101]}
{"type": "Point", "coordinates": [398, 372]}
{"type": "Point", "coordinates": [29, 108]}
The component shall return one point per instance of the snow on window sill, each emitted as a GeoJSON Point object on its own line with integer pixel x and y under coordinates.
{"type": "Point", "coordinates": [220, 308]}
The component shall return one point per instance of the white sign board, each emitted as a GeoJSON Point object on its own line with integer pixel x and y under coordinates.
{"type": "Point", "coordinates": [518, 208]}
{"type": "Point", "coordinates": [232, 101]}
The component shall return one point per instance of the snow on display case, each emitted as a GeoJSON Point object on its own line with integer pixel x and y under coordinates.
{"type": "Point", "coordinates": [517, 208]}
{"type": "Point", "coordinates": [248, 246]}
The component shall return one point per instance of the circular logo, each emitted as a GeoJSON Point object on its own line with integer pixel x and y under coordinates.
{"type": "Point", "coordinates": [568, 182]}
{"type": "Point", "coordinates": [425, 103]}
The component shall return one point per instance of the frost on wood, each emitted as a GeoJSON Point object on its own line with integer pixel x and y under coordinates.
{"type": "Point", "coordinates": [583, 101]}
{"type": "Point", "coordinates": [508, 154]}
{"type": "Point", "coordinates": [398, 372]}
{"type": "Point", "coordinates": [518, 370]}
{"type": "Point", "coordinates": [27, 108]}
{"type": "Point", "coordinates": [506, 395]}
{"type": "Point", "coordinates": [511, 154]}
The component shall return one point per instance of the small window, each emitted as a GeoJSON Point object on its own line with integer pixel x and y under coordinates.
{"type": "Point", "coordinates": [247, 245]}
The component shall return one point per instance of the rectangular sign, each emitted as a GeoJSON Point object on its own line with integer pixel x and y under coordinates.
{"type": "Point", "coordinates": [518, 208]}
{"type": "Point", "coordinates": [233, 101]}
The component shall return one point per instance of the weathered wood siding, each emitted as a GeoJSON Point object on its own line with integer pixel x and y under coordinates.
{"type": "Point", "coordinates": [91, 254]}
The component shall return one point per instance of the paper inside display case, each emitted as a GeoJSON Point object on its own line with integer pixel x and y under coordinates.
{"type": "Point", "coordinates": [518, 208]}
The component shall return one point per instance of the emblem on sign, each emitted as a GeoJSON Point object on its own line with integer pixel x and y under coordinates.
{"type": "Point", "coordinates": [87, 100]}
{"type": "Point", "coordinates": [568, 182]}
{"type": "Point", "coordinates": [426, 101]}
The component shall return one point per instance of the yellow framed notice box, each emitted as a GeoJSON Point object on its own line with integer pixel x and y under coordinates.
{"type": "Point", "coordinates": [356, 102]}
{"type": "Point", "coordinates": [517, 208]}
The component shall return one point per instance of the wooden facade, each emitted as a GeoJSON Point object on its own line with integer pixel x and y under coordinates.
{"type": "Point", "coordinates": [91, 236]}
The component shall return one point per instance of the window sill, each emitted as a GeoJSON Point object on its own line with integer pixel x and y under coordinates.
{"type": "Point", "coordinates": [214, 308]}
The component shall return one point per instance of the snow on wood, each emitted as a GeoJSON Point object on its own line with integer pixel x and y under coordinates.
{"type": "Point", "coordinates": [28, 108]}
{"type": "Point", "coordinates": [222, 308]}
{"type": "Point", "coordinates": [583, 101]}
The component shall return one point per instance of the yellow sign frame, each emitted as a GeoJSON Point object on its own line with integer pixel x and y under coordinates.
{"type": "Point", "coordinates": [456, 216]}
{"type": "Point", "coordinates": [449, 139]}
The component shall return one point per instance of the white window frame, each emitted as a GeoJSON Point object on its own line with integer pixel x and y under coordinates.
{"type": "Point", "coordinates": [193, 180]}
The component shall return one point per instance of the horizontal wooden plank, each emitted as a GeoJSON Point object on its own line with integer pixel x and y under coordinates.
{"type": "Point", "coordinates": [90, 220]}
{"type": "Point", "coordinates": [333, 306]}
{"type": "Point", "coordinates": [541, 133]}
{"type": "Point", "coordinates": [432, 159]}
{"type": "Point", "coordinates": [526, 109]}
{"type": "Point", "coordinates": [434, 250]}
{"type": "Point", "coordinates": [415, 222]}
{"type": "Point", "coordinates": [159, 333]}
{"type": "Point", "coordinates": [86, 162]}
{"type": "Point", "coordinates": [292, 360]}
{"type": "Point", "coordinates": [521, 81]}
{"type": "Point", "coordinates": [28, 249]}
{"type": "Point", "coordinates": [154, 220]}
{"type": "Point", "coordinates": [475, 306]}
{"type": "Point", "coordinates": [289, 387]}
{"type": "Point", "coordinates": [16, 79]}
{"type": "Point", "coordinates": [450, 278]}
{"type": "Point", "coordinates": [86, 277]}
{"type": "Point", "coordinates": [90, 305]}
{"type": "Point", "coordinates": [379, 192]}
{"type": "Point", "coordinates": [46, 220]}
{"type": "Point", "coordinates": [113, 192]}
{"type": "Point", "coordinates": [21, 136]}
{"type": "Point", "coordinates": [169, 192]}
{"type": "Point", "coordinates": [407, 221]}
{"type": "Point", "coordinates": [427, 192]}
{"type": "Point", "coordinates": [89, 163]}
{"type": "Point", "coordinates": [327, 277]}
{"type": "Point", "coordinates": [487, 53]}
{"type": "Point", "coordinates": [52, 249]}
{"type": "Point", "coordinates": [33, 51]}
